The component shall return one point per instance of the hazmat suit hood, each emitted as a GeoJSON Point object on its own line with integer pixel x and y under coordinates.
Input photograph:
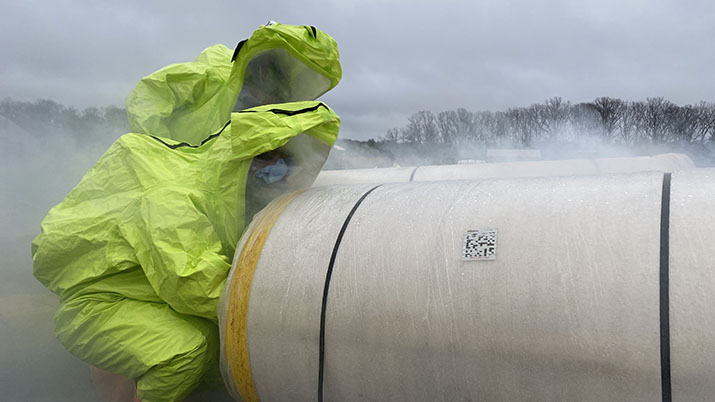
{"type": "Point", "coordinates": [188, 102]}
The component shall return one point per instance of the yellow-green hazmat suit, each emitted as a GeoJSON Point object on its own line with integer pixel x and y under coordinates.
{"type": "Point", "coordinates": [139, 250]}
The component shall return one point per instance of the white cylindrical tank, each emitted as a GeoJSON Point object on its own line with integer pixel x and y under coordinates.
{"type": "Point", "coordinates": [591, 288]}
{"type": "Point", "coordinates": [568, 167]}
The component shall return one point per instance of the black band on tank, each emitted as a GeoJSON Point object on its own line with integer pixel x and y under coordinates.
{"type": "Point", "coordinates": [665, 291]}
{"type": "Point", "coordinates": [412, 176]}
{"type": "Point", "coordinates": [326, 288]}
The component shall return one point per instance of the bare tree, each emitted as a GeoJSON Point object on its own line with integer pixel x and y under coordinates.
{"type": "Point", "coordinates": [555, 116]}
{"type": "Point", "coordinates": [656, 118]}
{"type": "Point", "coordinates": [488, 126]}
{"type": "Point", "coordinates": [586, 119]}
{"type": "Point", "coordinates": [705, 117]}
{"type": "Point", "coordinates": [611, 112]}
{"type": "Point", "coordinates": [421, 128]}
{"type": "Point", "coordinates": [466, 125]}
{"type": "Point", "coordinates": [447, 126]}
{"type": "Point", "coordinates": [683, 123]}
{"type": "Point", "coordinates": [392, 135]}
{"type": "Point", "coordinates": [521, 124]}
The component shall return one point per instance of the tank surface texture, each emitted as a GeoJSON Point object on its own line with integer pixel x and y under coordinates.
{"type": "Point", "coordinates": [532, 289]}
{"type": "Point", "coordinates": [568, 167]}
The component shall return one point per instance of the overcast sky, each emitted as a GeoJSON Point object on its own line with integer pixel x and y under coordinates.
{"type": "Point", "coordinates": [397, 57]}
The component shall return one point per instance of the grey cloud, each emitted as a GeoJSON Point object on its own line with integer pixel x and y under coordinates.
{"type": "Point", "coordinates": [397, 57]}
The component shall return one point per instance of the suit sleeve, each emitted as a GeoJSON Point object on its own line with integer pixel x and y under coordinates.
{"type": "Point", "coordinates": [180, 252]}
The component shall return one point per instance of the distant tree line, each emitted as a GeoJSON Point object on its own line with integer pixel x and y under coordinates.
{"type": "Point", "coordinates": [653, 121]}
{"type": "Point", "coordinates": [44, 118]}
{"type": "Point", "coordinates": [614, 121]}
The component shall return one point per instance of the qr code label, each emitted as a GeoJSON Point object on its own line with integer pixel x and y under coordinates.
{"type": "Point", "coordinates": [480, 245]}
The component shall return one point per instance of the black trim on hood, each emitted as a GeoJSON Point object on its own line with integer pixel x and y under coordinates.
{"type": "Point", "coordinates": [288, 112]}
{"type": "Point", "coordinates": [315, 32]}
{"type": "Point", "coordinates": [186, 144]}
{"type": "Point", "coordinates": [212, 136]}
{"type": "Point", "coordinates": [238, 49]}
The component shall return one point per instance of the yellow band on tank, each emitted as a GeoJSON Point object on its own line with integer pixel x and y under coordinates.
{"type": "Point", "coordinates": [236, 345]}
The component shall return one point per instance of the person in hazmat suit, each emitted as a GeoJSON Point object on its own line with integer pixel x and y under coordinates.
{"type": "Point", "coordinates": [140, 249]}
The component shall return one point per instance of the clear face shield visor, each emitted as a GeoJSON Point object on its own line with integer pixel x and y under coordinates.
{"type": "Point", "coordinates": [289, 168]}
{"type": "Point", "coordinates": [276, 76]}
